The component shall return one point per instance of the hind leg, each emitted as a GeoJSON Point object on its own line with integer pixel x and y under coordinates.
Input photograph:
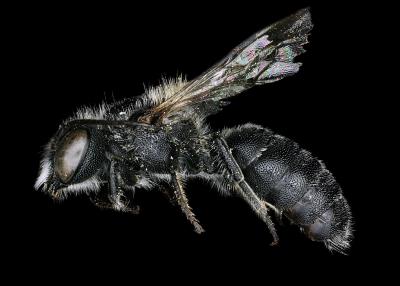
{"type": "Point", "coordinates": [244, 190]}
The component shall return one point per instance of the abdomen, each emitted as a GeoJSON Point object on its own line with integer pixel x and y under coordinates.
{"type": "Point", "coordinates": [294, 181]}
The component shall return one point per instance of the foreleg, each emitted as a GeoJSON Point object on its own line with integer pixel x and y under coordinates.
{"type": "Point", "coordinates": [116, 199]}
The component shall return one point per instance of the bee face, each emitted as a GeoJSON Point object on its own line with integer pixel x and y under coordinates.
{"type": "Point", "coordinates": [72, 162]}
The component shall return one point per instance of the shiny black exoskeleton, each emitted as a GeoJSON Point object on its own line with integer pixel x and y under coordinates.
{"type": "Point", "coordinates": [159, 140]}
{"type": "Point", "coordinates": [295, 182]}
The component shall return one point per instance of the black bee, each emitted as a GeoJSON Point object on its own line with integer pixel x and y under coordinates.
{"type": "Point", "coordinates": [161, 139]}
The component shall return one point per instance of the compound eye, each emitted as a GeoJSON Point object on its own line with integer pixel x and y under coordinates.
{"type": "Point", "coordinates": [71, 151]}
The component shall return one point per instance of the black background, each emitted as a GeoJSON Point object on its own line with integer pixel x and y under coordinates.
{"type": "Point", "coordinates": [65, 57]}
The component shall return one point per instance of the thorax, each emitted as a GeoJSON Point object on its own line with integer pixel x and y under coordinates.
{"type": "Point", "coordinates": [158, 149]}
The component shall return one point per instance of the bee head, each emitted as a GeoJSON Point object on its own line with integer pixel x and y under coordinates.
{"type": "Point", "coordinates": [72, 161]}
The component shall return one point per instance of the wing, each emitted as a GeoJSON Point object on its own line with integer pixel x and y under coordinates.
{"type": "Point", "coordinates": [266, 56]}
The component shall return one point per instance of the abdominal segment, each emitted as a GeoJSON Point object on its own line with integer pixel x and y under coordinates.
{"type": "Point", "coordinates": [295, 182]}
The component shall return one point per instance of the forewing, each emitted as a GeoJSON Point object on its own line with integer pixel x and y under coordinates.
{"type": "Point", "coordinates": [266, 56]}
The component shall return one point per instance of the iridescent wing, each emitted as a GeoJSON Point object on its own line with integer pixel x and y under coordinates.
{"type": "Point", "coordinates": [266, 56]}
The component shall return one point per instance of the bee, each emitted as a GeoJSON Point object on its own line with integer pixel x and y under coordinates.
{"type": "Point", "coordinates": [160, 139]}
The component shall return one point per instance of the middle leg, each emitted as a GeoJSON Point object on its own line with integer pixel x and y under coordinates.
{"type": "Point", "coordinates": [183, 202]}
